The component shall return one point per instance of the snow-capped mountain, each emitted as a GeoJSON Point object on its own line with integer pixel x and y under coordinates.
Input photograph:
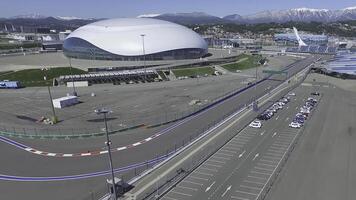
{"type": "Point", "coordinates": [148, 15]}
{"type": "Point", "coordinates": [29, 16]}
{"type": "Point", "coordinates": [190, 18]}
{"type": "Point", "coordinates": [68, 18]}
{"type": "Point", "coordinates": [296, 14]}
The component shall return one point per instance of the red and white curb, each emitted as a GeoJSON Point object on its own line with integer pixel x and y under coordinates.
{"type": "Point", "coordinates": [90, 153]}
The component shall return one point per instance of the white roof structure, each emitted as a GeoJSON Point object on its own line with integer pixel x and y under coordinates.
{"type": "Point", "coordinates": [124, 36]}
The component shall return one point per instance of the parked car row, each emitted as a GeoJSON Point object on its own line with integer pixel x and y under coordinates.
{"type": "Point", "coordinates": [303, 113]}
{"type": "Point", "coordinates": [268, 114]}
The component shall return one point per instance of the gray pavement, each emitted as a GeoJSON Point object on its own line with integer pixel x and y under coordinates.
{"type": "Point", "coordinates": [242, 168]}
{"type": "Point", "coordinates": [323, 165]}
{"type": "Point", "coordinates": [21, 163]}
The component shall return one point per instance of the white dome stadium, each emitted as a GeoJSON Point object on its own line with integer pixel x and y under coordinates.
{"type": "Point", "coordinates": [134, 39]}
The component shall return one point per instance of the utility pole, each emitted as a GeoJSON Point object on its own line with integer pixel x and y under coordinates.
{"type": "Point", "coordinates": [144, 54]}
{"type": "Point", "coordinates": [71, 75]}
{"type": "Point", "coordinates": [54, 118]}
{"type": "Point", "coordinates": [105, 111]}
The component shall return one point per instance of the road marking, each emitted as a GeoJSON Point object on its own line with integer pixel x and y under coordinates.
{"type": "Point", "coordinates": [270, 157]}
{"type": "Point", "coordinates": [239, 198]}
{"type": "Point", "coordinates": [206, 168]}
{"type": "Point", "coordinates": [280, 145]}
{"type": "Point", "coordinates": [202, 173]}
{"type": "Point", "coordinates": [221, 157]}
{"type": "Point", "coordinates": [249, 187]}
{"type": "Point", "coordinates": [241, 154]}
{"type": "Point", "coordinates": [287, 118]}
{"type": "Point", "coordinates": [181, 193]}
{"type": "Point", "coordinates": [262, 133]}
{"type": "Point", "coordinates": [231, 148]}
{"type": "Point", "coordinates": [274, 134]}
{"type": "Point", "coordinates": [265, 169]}
{"type": "Point", "coordinates": [228, 151]}
{"type": "Point", "coordinates": [243, 192]}
{"type": "Point", "coordinates": [227, 190]}
{"type": "Point", "coordinates": [170, 198]}
{"type": "Point", "coordinates": [266, 165]}
{"type": "Point", "coordinates": [256, 156]}
{"type": "Point", "coordinates": [194, 177]}
{"type": "Point", "coordinates": [257, 177]}
{"type": "Point", "coordinates": [212, 165]}
{"type": "Point", "coordinates": [208, 188]}
{"type": "Point", "coordinates": [217, 161]}
{"type": "Point", "coordinates": [274, 154]}
{"type": "Point", "coordinates": [256, 172]}
{"type": "Point", "coordinates": [253, 182]}
{"type": "Point", "coordinates": [225, 154]}
{"type": "Point", "coordinates": [189, 188]}
{"type": "Point", "coordinates": [275, 151]}
{"type": "Point", "coordinates": [192, 182]}
{"type": "Point", "coordinates": [277, 117]}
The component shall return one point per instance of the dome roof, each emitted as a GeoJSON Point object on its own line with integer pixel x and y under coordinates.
{"type": "Point", "coordinates": [125, 36]}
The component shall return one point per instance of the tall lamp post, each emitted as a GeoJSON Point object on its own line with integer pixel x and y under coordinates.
{"type": "Point", "coordinates": [105, 111]}
{"type": "Point", "coordinates": [144, 54]}
{"type": "Point", "coordinates": [71, 75]}
{"type": "Point", "coordinates": [54, 118]}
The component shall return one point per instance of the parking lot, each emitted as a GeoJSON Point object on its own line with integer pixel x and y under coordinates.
{"type": "Point", "coordinates": [246, 166]}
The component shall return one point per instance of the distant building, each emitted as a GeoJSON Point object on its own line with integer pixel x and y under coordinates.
{"type": "Point", "coordinates": [291, 39]}
{"type": "Point", "coordinates": [63, 35]}
{"type": "Point", "coordinates": [133, 40]}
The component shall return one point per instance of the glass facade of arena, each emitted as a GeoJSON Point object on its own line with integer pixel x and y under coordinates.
{"type": "Point", "coordinates": [81, 49]}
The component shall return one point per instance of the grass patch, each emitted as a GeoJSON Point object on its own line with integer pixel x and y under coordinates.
{"type": "Point", "coordinates": [34, 77]}
{"type": "Point", "coordinates": [244, 62]}
{"type": "Point", "coordinates": [201, 71]}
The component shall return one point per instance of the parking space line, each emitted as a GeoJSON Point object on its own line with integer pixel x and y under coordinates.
{"type": "Point", "coordinates": [186, 188]}
{"type": "Point", "coordinates": [256, 172]}
{"type": "Point", "coordinates": [243, 192]}
{"type": "Point", "coordinates": [253, 182]}
{"type": "Point", "coordinates": [277, 145]}
{"type": "Point", "coordinates": [170, 198]}
{"type": "Point", "coordinates": [217, 161]}
{"type": "Point", "coordinates": [239, 198]}
{"type": "Point", "coordinates": [260, 178]}
{"type": "Point", "coordinates": [263, 169]}
{"type": "Point", "coordinates": [225, 154]}
{"type": "Point", "coordinates": [279, 148]}
{"type": "Point", "coordinates": [198, 178]}
{"type": "Point", "coordinates": [202, 173]}
{"type": "Point", "coordinates": [270, 157]}
{"type": "Point", "coordinates": [282, 143]}
{"type": "Point", "coordinates": [181, 193]}
{"type": "Point", "coordinates": [274, 154]}
{"type": "Point", "coordinates": [266, 165]}
{"type": "Point", "coordinates": [192, 182]}
{"type": "Point", "coordinates": [269, 161]}
{"type": "Point", "coordinates": [275, 151]}
{"type": "Point", "coordinates": [249, 187]}
{"type": "Point", "coordinates": [221, 157]}
{"type": "Point", "coordinates": [209, 169]}
{"type": "Point", "coordinates": [212, 165]}
{"type": "Point", "coordinates": [229, 151]}
{"type": "Point", "coordinates": [232, 148]}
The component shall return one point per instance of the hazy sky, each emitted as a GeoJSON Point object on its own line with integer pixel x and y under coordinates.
{"type": "Point", "coordinates": [132, 8]}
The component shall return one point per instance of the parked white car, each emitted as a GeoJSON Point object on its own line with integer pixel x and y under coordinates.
{"type": "Point", "coordinates": [255, 124]}
{"type": "Point", "coordinates": [291, 94]}
{"type": "Point", "coordinates": [295, 125]}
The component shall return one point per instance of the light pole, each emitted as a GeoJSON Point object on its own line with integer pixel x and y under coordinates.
{"type": "Point", "coordinates": [71, 75]}
{"type": "Point", "coordinates": [54, 119]}
{"type": "Point", "coordinates": [144, 54]}
{"type": "Point", "coordinates": [105, 111]}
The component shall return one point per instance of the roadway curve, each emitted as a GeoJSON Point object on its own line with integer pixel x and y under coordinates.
{"type": "Point", "coordinates": [40, 166]}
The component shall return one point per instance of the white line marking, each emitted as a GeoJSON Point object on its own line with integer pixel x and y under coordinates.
{"type": "Point", "coordinates": [256, 156]}
{"type": "Point", "coordinates": [257, 177]}
{"type": "Point", "coordinates": [256, 172]}
{"type": "Point", "coordinates": [194, 177]}
{"type": "Point", "coordinates": [181, 193]}
{"type": "Point", "coordinates": [253, 182]}
{"type": "Point", "coordinates": [243, 192]}
{"type": "Point", "coordinates": [208, 188]}
{"type": "Point", "coordinates": [241, 154]}
{"type": "Point", "coordinates": [212, 165]}
{"type": "Point", "coordinates": [192, 182]}
{"type": "Point", "coordinates": [264, 169]}
{"type": "Point", "coordinates": [186, 188]}
{"type": "Point", "coordinates": [249, 187]}
{"type": "Point", "coordinates": [227, 190]}
{"type": "Point", "coordinates": [217, 161]}
{"type": "Point", "coordinates": [202, 173]}
{"type": "Point", "coordinates": [206, 168]}
{"type": "Point", "coordinates": [274, 134]}
{"type": "Point", "coordinates": [228, 151]}
{"type": "Point", "coordinates": [239, 198]}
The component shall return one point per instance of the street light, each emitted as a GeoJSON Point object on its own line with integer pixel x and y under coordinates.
{"type": "Point", "coordinates": [54, 118]}
{"type": "Point", "coordinates": [71, 74]}
{"type": "Point", "coordinates": [105, 111]}
{"type": "Point", "coordinates": [144, 54]}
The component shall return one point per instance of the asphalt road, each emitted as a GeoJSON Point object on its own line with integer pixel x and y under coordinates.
{"type": "Point", "coordinates": [17, 162]}
{"type": "Point", "coordinates": [242, 168]}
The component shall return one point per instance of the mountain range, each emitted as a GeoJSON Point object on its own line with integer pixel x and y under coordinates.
{"type": "Point", "coordinates": [281, 16]}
